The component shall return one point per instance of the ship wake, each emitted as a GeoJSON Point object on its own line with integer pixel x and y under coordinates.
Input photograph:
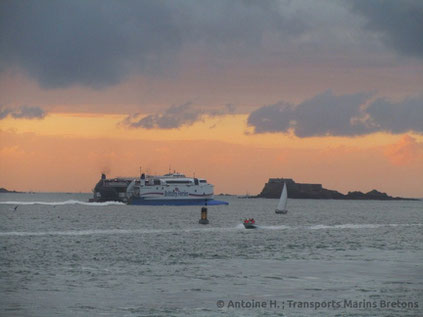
{"type": "Point", "coordinates": [90, 232]}
{"type": "Point", "coordinates": [62, 203]}
{"type": "Point", "coordinates": [338, 227]}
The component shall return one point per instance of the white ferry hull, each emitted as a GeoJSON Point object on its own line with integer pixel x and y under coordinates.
{"type": "Point", "coordinates": [171, 190]}
{"type": "Point", "coordinates": [176, 202]}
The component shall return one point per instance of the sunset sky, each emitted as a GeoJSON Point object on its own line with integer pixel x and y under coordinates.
{"type": "Point", "coordinates": [326, 92]}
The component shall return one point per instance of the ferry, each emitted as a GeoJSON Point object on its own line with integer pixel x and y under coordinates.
{"type": "Point", "coordinates": [171, 189]}
{"type": "Point", "coordinates": [111, 189]}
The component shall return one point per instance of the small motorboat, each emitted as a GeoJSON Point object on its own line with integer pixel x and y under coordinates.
{"type": "Point", "coordinates": [250, 223]}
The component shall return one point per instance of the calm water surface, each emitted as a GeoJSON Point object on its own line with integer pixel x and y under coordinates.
{"type": "Point", "coordinates": [65, 257]}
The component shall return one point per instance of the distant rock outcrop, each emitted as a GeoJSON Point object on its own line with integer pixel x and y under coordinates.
{"type": "Point", "coordinates": [273, 189]}
{"type": "Point", "coordinates": [4, 190]}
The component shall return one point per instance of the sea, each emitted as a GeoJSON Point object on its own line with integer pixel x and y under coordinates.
{"type": "Point", "coordinates": [63, 256]}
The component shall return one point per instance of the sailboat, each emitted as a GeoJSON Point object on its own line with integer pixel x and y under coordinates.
{"type": "Point", "coordinates": [281, 209]}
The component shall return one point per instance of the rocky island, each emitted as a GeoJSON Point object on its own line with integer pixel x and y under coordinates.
{"type": "Point", "coordinates": [273, 189]}
{"type": "Point", "coordinates": [4, 190]}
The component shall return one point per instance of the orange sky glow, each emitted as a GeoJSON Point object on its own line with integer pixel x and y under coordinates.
{"type": "Point", "coordinates": [328, 92]}
{"type": "Point", "coordinates": [68, 151]}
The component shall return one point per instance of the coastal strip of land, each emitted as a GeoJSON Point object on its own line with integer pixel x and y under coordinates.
{"type": "Point", "coordinates": [273, 189]}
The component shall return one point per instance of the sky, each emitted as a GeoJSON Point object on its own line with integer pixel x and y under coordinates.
{"type": "Point", "coordinates": [236, 91]}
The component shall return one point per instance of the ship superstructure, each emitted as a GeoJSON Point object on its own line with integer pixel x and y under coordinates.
{"type": "Point", "coordinates": [111, 189]}
{"type": "Point", "coordinates": [168, 189]}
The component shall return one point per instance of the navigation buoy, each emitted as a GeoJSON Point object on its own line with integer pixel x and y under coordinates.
{"type": "Point", "coordinates": [203, 220]}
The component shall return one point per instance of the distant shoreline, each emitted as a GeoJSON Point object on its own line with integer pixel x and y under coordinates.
{"type": "Point", "coordinates": [273, 189]}
{"type": "Point", "coordinates": [350, 199]}
{"type": "Point", "coordinates": [349, 196]}
{"type": "Point", "coordinates": [6, 191]}
{"type": "Point", "coordinates": [258, 196]}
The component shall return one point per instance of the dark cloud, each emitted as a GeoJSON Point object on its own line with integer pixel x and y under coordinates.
{"type": "Point", "coordinates": [174, 117]}
{"type": "Point", "coordinates": [400, 23]}
{"type": "Point", "coordinates": [324, 114]}
{"type": "Point", "coordinates": [22, 112]}
{"type": "Point", "coordinates": [99, 42]}
{"type": "Point", "coordinates": [92, 42]}
{"type": "Point", "coordinates": [238, 23]}
{"type": "Point", "coordinates": [345, 115]}
{"type": "Point", "coordinates": [397, 117]}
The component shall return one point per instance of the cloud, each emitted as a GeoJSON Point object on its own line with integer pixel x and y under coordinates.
{"type": "Point", "coordinates": [100, 42]}
{"type": "Point", "coordinates": [343, 115]}
{"type": "Point", "coordinates": [406, 151]}
{"type": "Point", "coordinates": [399, 23]}
{"type": "Point", "coordinates": [22, 112]}
{"type": "Point", "coordinates": [397, 117]}
{"type": "Point", "coordinates": [86, 42]}
{"type": "Point", "coordinates": [174, 117]}
{"type": "Point", "coordinates": [324, 114]}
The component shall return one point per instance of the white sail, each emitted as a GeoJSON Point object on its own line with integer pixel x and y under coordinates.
{"type": "Point", "coordinates": [283, 200]}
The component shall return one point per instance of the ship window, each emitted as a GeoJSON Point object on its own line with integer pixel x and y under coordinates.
{"type": "Point", "coordinates": [203, 181]}
{"type": "Point", "coordinates": [178, 182]}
